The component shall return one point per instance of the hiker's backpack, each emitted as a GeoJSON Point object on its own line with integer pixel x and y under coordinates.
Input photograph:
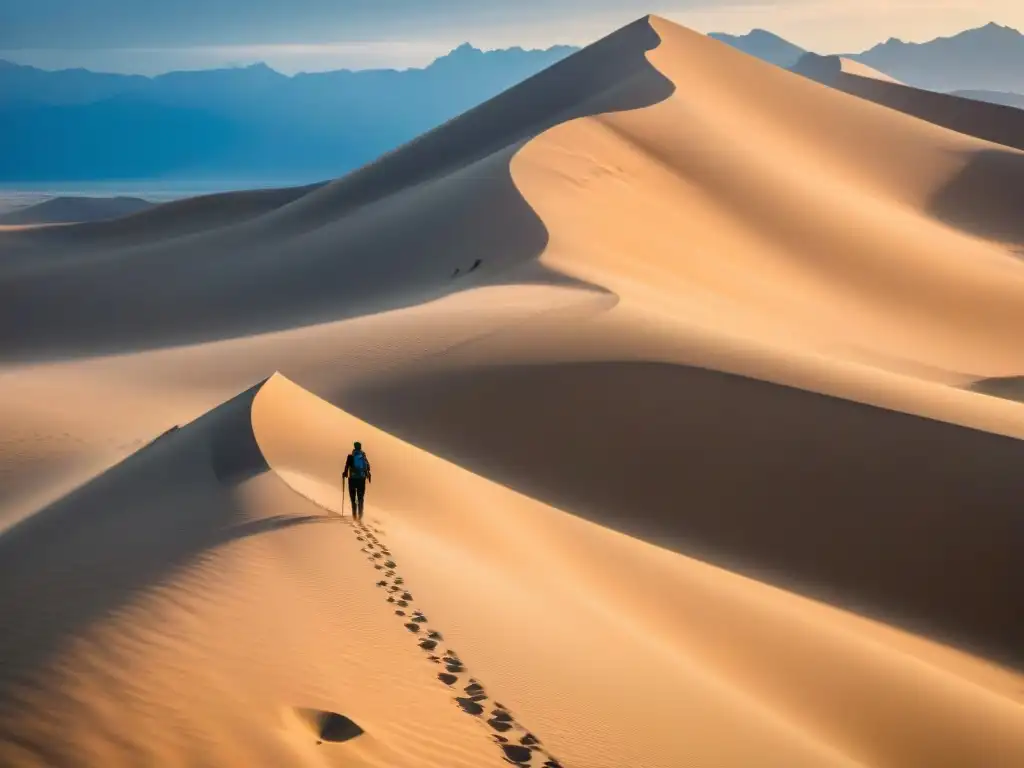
{"type": "Point", "coordinates": [359, 464]}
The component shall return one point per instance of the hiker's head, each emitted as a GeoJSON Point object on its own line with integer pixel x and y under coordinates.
{"type": "Point", "coordinates": [358, 446]}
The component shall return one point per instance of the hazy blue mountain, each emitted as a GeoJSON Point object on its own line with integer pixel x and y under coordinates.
{"type": "Point", "coordinates": [989, 58]}
{"type": "Point", "coordinates": [118, 138]}
{"type": "Point", "coordinates": [20, 84]}
{"type": "Point", "coordinates": [237, 123]}
{"type": "Point", "coordinates": [255, 123]}
{"type": "Point", "coordinates": [764, 45]}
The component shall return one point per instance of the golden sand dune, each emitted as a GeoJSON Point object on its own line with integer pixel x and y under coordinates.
{"type": "Point", "coordinates": [675, 370]}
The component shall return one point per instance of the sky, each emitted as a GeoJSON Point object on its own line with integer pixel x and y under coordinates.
{"type": "Point", "coordinates": [153, 36]}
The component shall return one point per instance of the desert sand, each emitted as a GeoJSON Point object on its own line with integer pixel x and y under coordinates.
{"type": "Point", "coordinates": [74, 210]}
{"type": "Point", "coordinates": [995, 122]}
{"type": "Point", "coordinates": [676, 371]}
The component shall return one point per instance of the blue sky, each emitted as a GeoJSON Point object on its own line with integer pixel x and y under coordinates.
{"type": "Point", "coordinates": [292, 35]}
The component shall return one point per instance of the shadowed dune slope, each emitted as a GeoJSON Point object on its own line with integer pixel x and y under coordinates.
{"type": "Point", "coordinates": [330, 253]}
{"type": "Point", "coordinates": [834, 227]}
{"type": "Point", "coordinates": [1011, 387]}
{"type": "Point", "coordinates": [668, 364]}
{"type": "Point", "coordinates": [788, 679]}
{"type": "Point", "coordinates": [145, 637]}
{"type": "Point", "coordinates": [61, 210]}
{"type": "Point", "coordinates": [993, 122]}
{"type": "Point", "coordinates": [911, 519]}
{"type": "Point", "coordinates": [176, 218]}
{"type": "Point", "coordinates": [651, 105]}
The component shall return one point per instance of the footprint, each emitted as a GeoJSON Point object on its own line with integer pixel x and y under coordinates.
{"type": "Point", "coordinates": [516, 754]}
{"type": "Point", "coordinates": [469, 706]}
{"type": "Point", "coordinates": [329, 726]}
{"type": "Point", "coordinates": [499, 725]}
{"type": "Point", "coordinates": [499, 720]}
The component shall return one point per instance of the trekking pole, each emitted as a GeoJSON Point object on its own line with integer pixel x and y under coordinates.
{"type": "Point", "coordinates": [343, 497]}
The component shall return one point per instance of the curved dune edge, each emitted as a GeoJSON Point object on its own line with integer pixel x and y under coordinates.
{"type": "Point", "coordinates": [949, 301]}
{"type": "Point", "coordinates": [566, 619]}
{"type": "Point", "coordinates": [333, 252]}
{"type": "Point", "coordinates": [803, 683]}
{"type": "Point", "coordinates": [190, 606]}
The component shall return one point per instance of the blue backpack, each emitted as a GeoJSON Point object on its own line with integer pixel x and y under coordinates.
{"type": "Point", "coordinates": [360, 466]}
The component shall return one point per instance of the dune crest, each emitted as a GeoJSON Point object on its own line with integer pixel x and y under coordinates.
{"type": "Point", "coordinates": [671, 366]}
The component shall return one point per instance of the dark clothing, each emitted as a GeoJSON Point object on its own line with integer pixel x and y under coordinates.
{"type": "Point", "coordinates": [356, 492]}
{"type": "Point", "coordinates": [356, 485]}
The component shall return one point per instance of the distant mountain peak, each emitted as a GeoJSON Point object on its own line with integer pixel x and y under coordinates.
{"type": "Point", "coordinates": [994, 25]}
{"type": "Point", "coordinates": [467, 53]}
{"type": "Point", "coordinates": [764, 33]}
{"type": "Point", "coordinates": [990, 32]}
{"type": "Point", "coordinates": [764, 45]}
{"type": "Point", "coordinates": [990, 57]}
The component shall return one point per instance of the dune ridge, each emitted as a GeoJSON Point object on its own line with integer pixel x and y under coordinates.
{"type": "Point", "coordinates": [667, 361]}
{"type": "Point", "coordinates": [998, 123]}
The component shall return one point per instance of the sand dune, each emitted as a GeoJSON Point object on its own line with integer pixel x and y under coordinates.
{"type": "Point", "coordinates": [993, 122]}
{"type": "Point", "coordinates": [70, 210]}
{"type": "Point", "coordinates": [671, 367]}
{"type": "Point", "coordinates": [830, 69]}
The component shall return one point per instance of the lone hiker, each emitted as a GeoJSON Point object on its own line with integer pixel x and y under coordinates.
{"type": "Point", "coordinates": [357, 470]}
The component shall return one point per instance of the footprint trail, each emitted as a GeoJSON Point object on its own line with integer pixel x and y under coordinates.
{"type": "Point", "coordinates": [519, 747]}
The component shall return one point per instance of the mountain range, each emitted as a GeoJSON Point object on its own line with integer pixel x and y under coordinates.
{"type": "Point", "coordinates": [764, 45]}
{"type": "Point", "coordinates": [255, 123]}
{"type": "Point", "coordinates": [990, 58]}
{"type": "Point", "coordinates": [250, 122]}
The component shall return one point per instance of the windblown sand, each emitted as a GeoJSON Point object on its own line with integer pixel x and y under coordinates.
{"type": "Point", "coordinates": [670, 365]}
